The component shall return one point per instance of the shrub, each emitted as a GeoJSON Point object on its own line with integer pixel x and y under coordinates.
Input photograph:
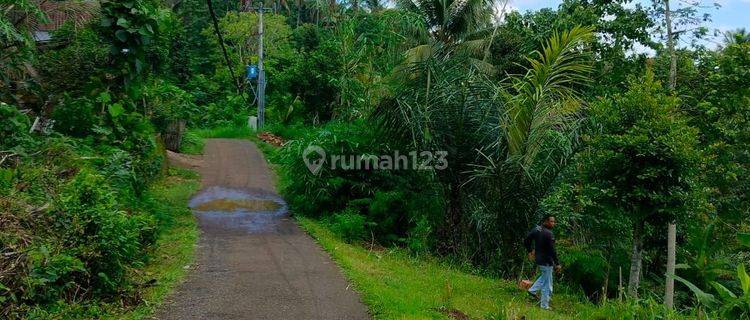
{"type": "Point", "coordinates": [391, 211]}
{"type": "Point", "coordinates": [78, 67]}
{"type": "Point", "coordinates": [52, 274]}
{"type": "Point", "coordinates": [230, 112]}
{"type": "Point", "coordinates": [587, 269]}
{"type": "Point", "coordinates": [349, 225]}
{"type": "Point", "coordinates": [14, 127]}
{"type": "Point", "coordinates": [191, 143]}
{"type": "Point", "coordinates": [397, 204]}
{"type": "Point", "coordinates": [96, 230]}
{"type": "Point", "coordinates": [167, 103]}
{"type": "Point", "coordinates": [330, 190]}
{"type": "Point", "coordinates": [203, 89]}
{"type": "Point", "coordinates": [75, 117]}
{"type": "Point", "coordinates": [72, 227]}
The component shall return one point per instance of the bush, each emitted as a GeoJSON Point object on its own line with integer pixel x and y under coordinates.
{"type": "Point", "coordinates": [14, 127]}
{"type": "Point", "coordinates": [330, 190]}
{"type": "Point", "coordinates": [81, 66]}
{"type": "Point", "coordinates": [72, 223]}
{"type": "Point", "coordinates": [397, 204]}
{"type": "Point", "coordinates": [391, 211]}
{"type": "Point", "coordinates": [349, 225]}
{"type": "Point", "coordinates": [587, 269]}
{"type": "Point", "coordinates": [203, 89]}
{"type": "Point", "coordinates": [167, 103]}
{"type": "Point", "coordinates": [232, 111]}
{"type": "Point", "coordinates": [95, 229]}
{"type": "Point", "coordinates": [75, 117]}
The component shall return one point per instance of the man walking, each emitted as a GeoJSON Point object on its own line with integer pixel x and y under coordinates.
{"type": "Point", "coordinates": [545, 256]}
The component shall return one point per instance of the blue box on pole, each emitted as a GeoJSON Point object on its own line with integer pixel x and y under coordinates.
{"type": "Point", "coordinates": [251, 72]}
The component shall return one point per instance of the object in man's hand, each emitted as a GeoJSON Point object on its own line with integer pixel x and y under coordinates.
{"type": "Point", "coordinates": [524, 284]}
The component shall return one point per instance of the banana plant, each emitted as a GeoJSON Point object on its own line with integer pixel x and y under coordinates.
{"type": "Point", "coordinates": [729, 305]}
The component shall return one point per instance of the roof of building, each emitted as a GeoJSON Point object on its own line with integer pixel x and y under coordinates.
{"type": "Point", "coordinates": [58, 13]}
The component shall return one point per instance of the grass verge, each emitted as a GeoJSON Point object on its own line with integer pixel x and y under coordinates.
{"type": "Point", "coordinates": [397, 285]}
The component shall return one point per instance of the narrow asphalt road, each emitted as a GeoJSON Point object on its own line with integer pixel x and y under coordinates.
{"type": "Point", "coordinates": [255, 264]}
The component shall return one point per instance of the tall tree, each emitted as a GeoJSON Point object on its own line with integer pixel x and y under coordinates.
{"type": "Point", "coordinates": [643, 162]}
{"type": "Point", "coordinates": [621, 27]}
{"type": "Point", "coordinates": [227, 61]}
{"type": "Point", "coordinates": [686, 17]}
{"type": "Point", "coordinates": [738, 36]}
{"type": "Point", "coordinates": [447, 27]}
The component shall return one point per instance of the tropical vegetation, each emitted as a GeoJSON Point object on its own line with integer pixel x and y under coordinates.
{"type": "Point", "coordinates": [589, 111]}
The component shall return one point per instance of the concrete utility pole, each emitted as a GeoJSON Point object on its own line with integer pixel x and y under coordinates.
{"type": "Point", "coordinates": [261, 73]}
{"type": "Point", "coordinates": [672, 227]}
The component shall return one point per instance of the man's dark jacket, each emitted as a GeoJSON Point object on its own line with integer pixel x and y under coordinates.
{"type": "Point", "coordinates": [544, 246]}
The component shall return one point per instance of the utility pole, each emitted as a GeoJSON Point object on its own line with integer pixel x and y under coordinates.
{"type": "Point", "coordinates": [672, 227]}
{"type": "Point", "coordinates": [261, 72]}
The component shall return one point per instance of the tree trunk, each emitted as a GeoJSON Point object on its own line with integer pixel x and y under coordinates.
{"type": "Point", "coordinates": [217, 30]}
{"type": "Point", "coordinates": [671, 257]}
{"type": "Point", "coordinates": [451, 229]}
{"type": "Point", "coordinates": [172, 136]}
{"type": "Point", "coordinates": [299, 12]}
{"type": "Point", "coordinates": [636, 259]}
{"type": "Point", "coordinates": [429, 82]}
{"type": "Point", "coordinates": [619, 287]}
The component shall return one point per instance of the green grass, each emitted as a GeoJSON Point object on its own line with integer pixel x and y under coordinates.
{"type": "Point", "coordinates": [397, 285]}
{"type": "Point", "coordinates": [192, 143]}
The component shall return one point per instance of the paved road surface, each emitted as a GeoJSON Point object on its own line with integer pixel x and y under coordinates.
{"type": "Point", "coordinates": [252, 265]}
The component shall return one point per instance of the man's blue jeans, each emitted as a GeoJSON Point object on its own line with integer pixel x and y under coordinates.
{"type": "Point", "coordinates": [543, 284]}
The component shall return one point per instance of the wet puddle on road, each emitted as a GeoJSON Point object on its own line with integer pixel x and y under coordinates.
{"type": "Point", "coordinates": [229, 205]}
{"type": "Point", "coordinates": [251, 211]}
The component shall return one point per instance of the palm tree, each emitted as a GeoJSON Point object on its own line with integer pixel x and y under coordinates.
{"type": "Point", "coordinates": [738, 36]}
{"type": "Point", "coordinates": [493, 133]}
{"type": "Point", "coordinates": [545, 98]}
{"type": "Point", "coordinates": [451, 21]}
{"type": "Point", "coordinates": [447, 27]}
{"type": "Point", "coordinates": [535, 132]}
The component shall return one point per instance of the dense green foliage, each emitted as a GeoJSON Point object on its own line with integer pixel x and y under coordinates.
{"type": "Point", "coordinates": [398, 206]}
{"type": "Point", "coordinates": [544, 112]}
{"type": "Point", "coordinates": [72, 223]}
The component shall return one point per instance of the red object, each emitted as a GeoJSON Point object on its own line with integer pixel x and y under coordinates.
{"type": "Point", "coordinates": [524, 284]}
